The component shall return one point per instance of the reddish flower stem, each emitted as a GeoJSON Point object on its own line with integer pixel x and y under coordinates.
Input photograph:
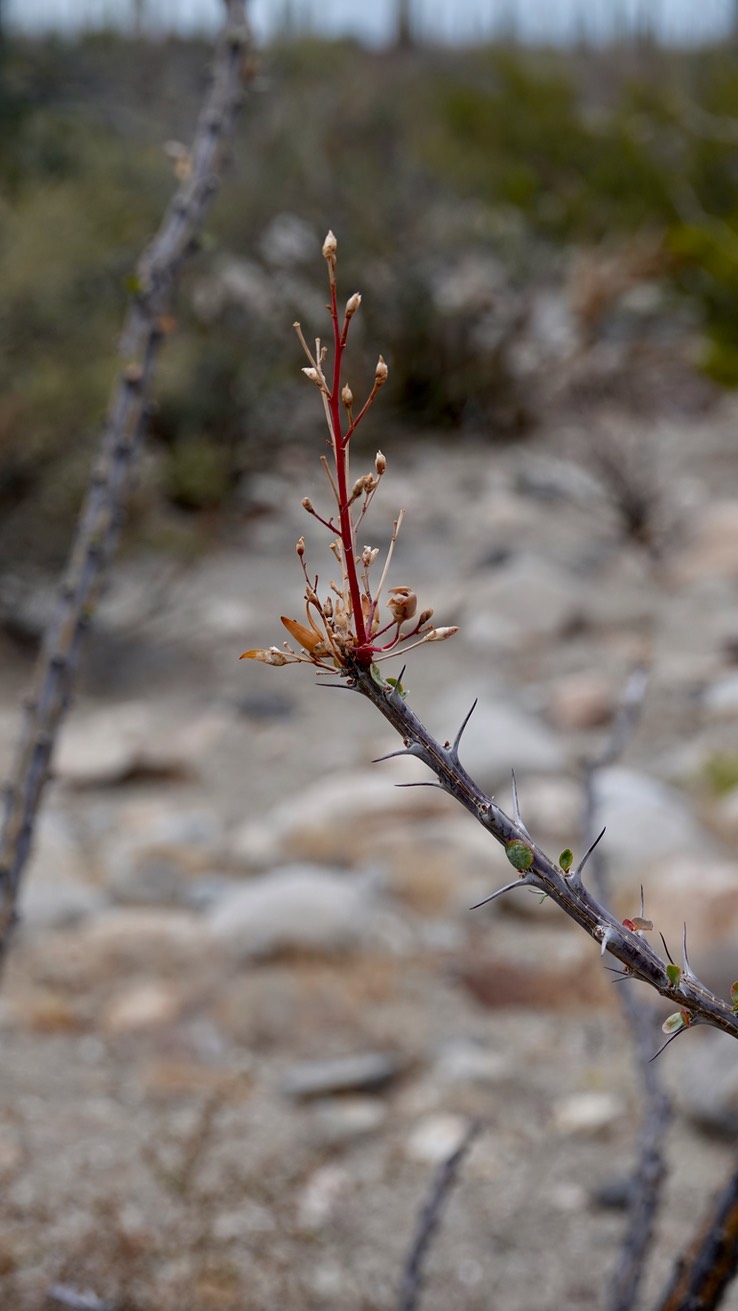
{"type": "Point", "coordinates": [340, 445]}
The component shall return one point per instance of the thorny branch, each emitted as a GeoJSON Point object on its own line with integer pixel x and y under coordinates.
{"type": "Point", "coordinates": [536, 869]}
{"type": "Point", "coordinates": [100, 518]}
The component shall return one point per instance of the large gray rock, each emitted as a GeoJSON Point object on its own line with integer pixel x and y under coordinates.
{"type": "Point", "coordinates": [707, 1085]}
{"type": "Point", "coordinates": [298, 907]}
{"type": "Point", "coordinates": [647, 822]}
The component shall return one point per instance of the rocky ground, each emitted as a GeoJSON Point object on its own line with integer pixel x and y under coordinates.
{"type": "Point", "coordinates": [250, 1011]}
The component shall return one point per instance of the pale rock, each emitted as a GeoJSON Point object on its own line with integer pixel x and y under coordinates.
{"type": "Point", "coordinates": [703, 893]}
{"type": "Point", "coordinates": [551, 807]}
{"type": "Point", "coordinates": [364, 1072]}
{"type": "Point", "coordinates": [108, 746]}
{"type": "Point", "coordinates": [499, 737]}
{"type": "Point", "coordinates": [463, 1061]}
{"type": "Point", "coordinates": [338, 1120]}
{"type": "Point", "coordinates": [647, 821]}
{"type": "Point", "coordinates": [707, 1082]}
{"type": "Point", "coordinates": [140, 935]}
{"type": "Point", "coordinates": [720, 699]}
{"type": "Point", "coordinates": [526, 600]}
{"type": "Point", "coordinates": [713, 548]}
{"type": "Point", "coordinates": [587, 1113]}
{"type": "Point", "coordinates": [321, 1195]}
{"type": "Point", "coordinates": [141, 1006]}
{"type": "Point", "coordinates": [339, 818]}
{"type": "Point", "coordinates": [436, 1137]}
{"type": "Point", "coordinates": [581, 701]}
{"type": "Point", "coordinates": [297, 907]}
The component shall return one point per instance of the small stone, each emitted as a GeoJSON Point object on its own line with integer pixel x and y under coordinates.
{"type": "Point", "coordinates": [366, 1072]}
{"type": "Point", "coordinates": [338, 1120]}
{"type": "Point", "coordinates": [713, 548]}
{"type": "Point", "coordinates": [320, 1196]}
{"type": "Point", "coordinates": [581, 701]}
{"type": "Point", "coordinates": [587, 1113]}
{"type": "Point", "coordinates": [141, 1006]}
{"type": "Point", "coordinates": [646, 821]}
{"type": "Point", "coordinates": [436, 1137]}
{"type": "Point", "coordinates": [462, 1061]}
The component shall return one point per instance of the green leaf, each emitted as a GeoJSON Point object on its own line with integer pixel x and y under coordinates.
{"type": "Point", "coordinates": [566, 860]}
{"type": "Point", "coordinates": [734, 995]}
{"type": "Point", "coordinates": [674, 1023]}
{"type": "Point", "coordinates": [674, 975]}
{"type": "Point", "coordinates": [519, 854]}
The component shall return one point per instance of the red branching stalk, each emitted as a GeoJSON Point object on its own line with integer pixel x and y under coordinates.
{"type": "Point", "coordinates": [343, 629]}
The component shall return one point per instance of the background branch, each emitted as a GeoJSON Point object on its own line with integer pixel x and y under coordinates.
{"type": "Point", "coordinates": [703, 1274]}
{"type": "Point", "coordinates": [650, 1172]}
{"type": "Point", "coordinates": [429, 1219]}
{"type": "Point", "coordinates": [99, 523]}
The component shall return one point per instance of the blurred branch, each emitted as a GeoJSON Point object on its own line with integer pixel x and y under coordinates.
{"type": "Point", "coordinates": [429, 1219]}
{"type": "Point", "coordinates": [703, 1274]}
{"type": "Point", "coordinates": [650, 1172]}
{"type": "Point", "coordinates": [99, 523]}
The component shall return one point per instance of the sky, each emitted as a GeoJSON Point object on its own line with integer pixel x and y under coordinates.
{"type": "Point", "coordinates": [681, 21]}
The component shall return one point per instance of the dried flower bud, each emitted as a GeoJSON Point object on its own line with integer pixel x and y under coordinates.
{"type": "Point", "coordinates": [425, 616]}
{"type": "Point", "coordinates": [380, 464]}
{"type": "Point", "coordinates": [300, 547]}
{"type": "Point", "coordinates": [330, 246]}
{"type": "Point", "coordinates": [381, 372]}
{"type": "Point", "coordinates": [328, 607]}
{"type": "Point", "coordinates": [313, 376]}
{"type": "Point", "coordinates": [403, 603]}
{"type": "Point", "coordinates": [440, 634]}
{"type": "Point", "coordinates": [307, 504]}
{"type": "Point", "coordinates": [363, 484]}
{"type": "Point", "coordinates": [271, 657]}
{"type": "Point", "coordinates": [347, 396]}
{"type": "Point", "coordinates": [352, 304]}
{"type": "Point", "coordinates": [369, 555]}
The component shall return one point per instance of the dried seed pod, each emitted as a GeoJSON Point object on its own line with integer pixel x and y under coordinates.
{"type": "Point", "coordinates": [403, 603]}
{"type": "Point", "coordinates": [381, 372]}
{"type": "Point", "coordinates": [347, 396]}
{"type": "Point", "coordinates": [380, 464]}
{"type": "Point", "coordinates": [352, 304]}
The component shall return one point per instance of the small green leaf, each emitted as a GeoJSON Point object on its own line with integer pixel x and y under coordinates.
{"type": "Point", "coordinates": [566, 860]}
{"type": "Point", "coordinates": [674, 975]}
{"type": "Point", "coordinates": [674, 1023]}
{"type": "Point", "coordinates": [397, 685]}
{"type": "Point", "coordinates": [734, 995]}
{"type": "Point", "coordinates": [519, 854]}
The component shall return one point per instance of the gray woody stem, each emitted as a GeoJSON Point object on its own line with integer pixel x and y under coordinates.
{"type": "Point", "coordinates": [99, 522]}
{"type": "Point", "coordinates": [690, 995]}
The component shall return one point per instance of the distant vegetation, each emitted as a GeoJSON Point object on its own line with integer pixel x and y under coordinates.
{"type": "Point", "coordinates": [432, 164]}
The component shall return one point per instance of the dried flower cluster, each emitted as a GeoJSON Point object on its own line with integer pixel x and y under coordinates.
{"type": "Point", "coordinates": [346, 627]}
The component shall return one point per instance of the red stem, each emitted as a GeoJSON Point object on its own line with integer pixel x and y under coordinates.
{"type": "Point", "coordinates": [339, 454]}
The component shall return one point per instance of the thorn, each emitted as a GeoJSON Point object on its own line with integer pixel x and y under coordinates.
{"type": "Point", "coordinates": [413, 750]}
{"type": "Point", "coordinates": [516, 883]}
{"type": "Point", "coordinates": [454, 750]}
{"type": "Point", "coordinates": [643, 905]}
{"type": "Point", "coordinates": [666, 949]}
{"type": "Point", "coordinates": [608, 936]}
{"type": "Point", "coordinates": [576, 877]}
{"type": "Point", "coordinates": [687, 968]}
{"type": "Point", "coordinates": [516, 807]}
{"type": "Point", "coordinates": [421, 785]}
{"type": "Point", "coordinates": [671, 1038]}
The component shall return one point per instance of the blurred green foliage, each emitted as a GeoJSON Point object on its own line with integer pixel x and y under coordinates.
{"type": "Point", "coordinates": [435, 168]}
